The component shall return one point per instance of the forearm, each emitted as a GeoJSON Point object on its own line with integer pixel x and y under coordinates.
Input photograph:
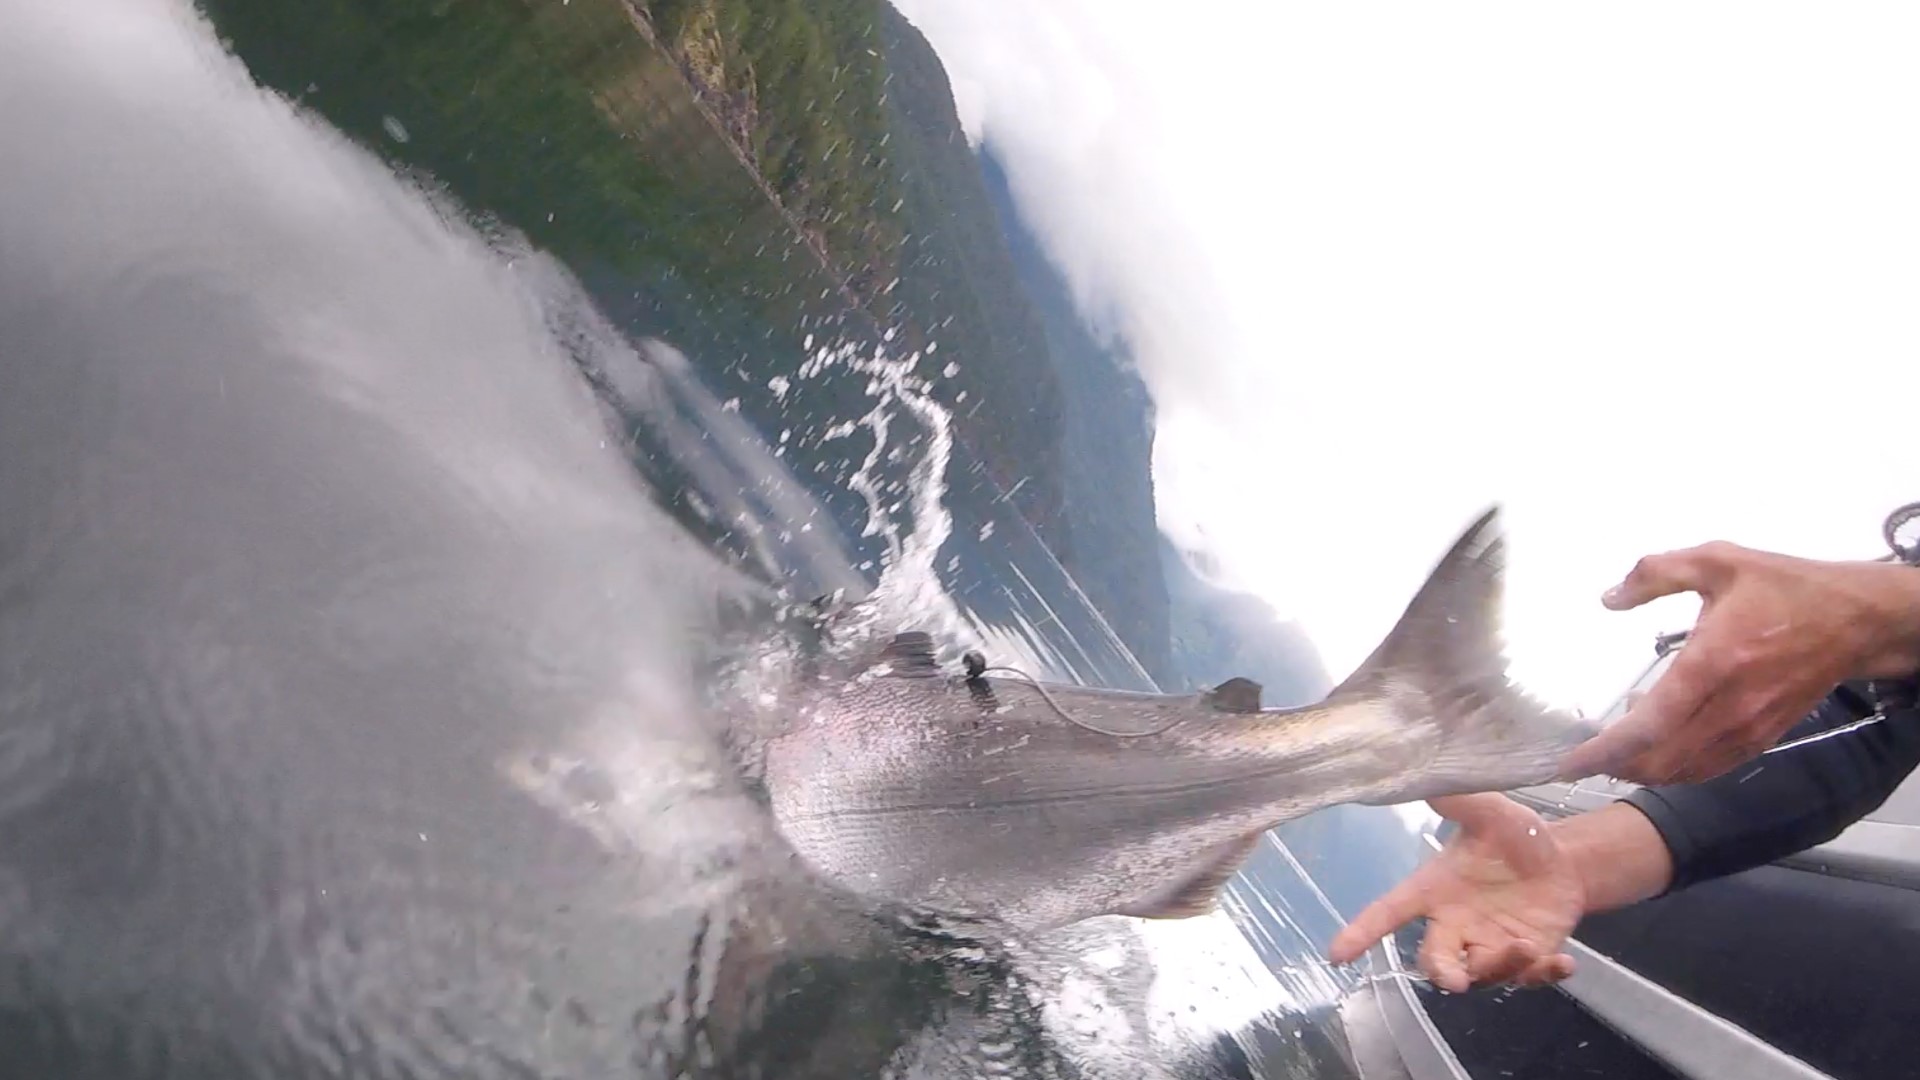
{"type": "Point", "coordinates": [1620, 857]}
{"type": "Point", "coordinates": [1783, 804]}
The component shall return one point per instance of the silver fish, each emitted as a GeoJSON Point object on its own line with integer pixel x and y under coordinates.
{"type": "Point", "coordinates": [1042, 805]}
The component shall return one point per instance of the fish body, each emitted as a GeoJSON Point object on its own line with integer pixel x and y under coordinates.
{"type": "Point", "coordinates": [1043, 805]}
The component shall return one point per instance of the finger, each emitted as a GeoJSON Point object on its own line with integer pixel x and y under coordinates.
{"type": "Point", "coordinates": [1660, 715]}
{"type": "Point", "coordinates": [1758, 721]}
{"type": "Point", "coordinates": [1440, 956]}
{"type": "Point", "coordinates": [1684, 765]}
{"type": "Point", "coordinates": [1661, 765]}
{"type": "Point", "coordinates": [1500, 964]}
{"type": "Point", "coordinates": [1625, 741]}
{"type": "Point", "coordinates": [1481, 811]}
{"type": "Point", "coordinates": [1650, 770]}
{"type": "Point", "coordinates": [1546, 971]}
{"type": "Point", "coordinates": [1511, 830]}
{"type": "Point", "coordinates": [1696, 569]}
{"type": "Point", "coordinates": [1403, 903]}
{"type": "Point", "coordinates": [1701, 750]}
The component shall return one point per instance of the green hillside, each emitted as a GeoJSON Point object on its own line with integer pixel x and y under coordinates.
{"type": "Point", "coordinates": [579, 124]}
{"type": "Point", "coordinates": [799, 85]}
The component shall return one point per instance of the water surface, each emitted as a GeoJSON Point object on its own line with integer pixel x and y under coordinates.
{"type": "Point", "coordinates": [366, 564]}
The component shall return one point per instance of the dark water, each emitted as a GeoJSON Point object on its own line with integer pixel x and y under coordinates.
{"type": "Point", "coordinates": [366, 554]}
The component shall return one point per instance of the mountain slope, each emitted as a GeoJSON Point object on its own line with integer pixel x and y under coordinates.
{"type": "Point", "coordinates": [957, 271]}
{"type": "Point", "coordinates": [579, 125]}
{"type": "Point", "coordinates": [1219, 634]}
{"type": "Point", "coordinates": [1110, 536]}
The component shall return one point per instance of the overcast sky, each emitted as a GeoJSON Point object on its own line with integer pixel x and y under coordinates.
{"type": "Point", "coordinates": [1644, 273]}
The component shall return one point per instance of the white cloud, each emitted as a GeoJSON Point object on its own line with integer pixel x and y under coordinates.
{"type": "Point", "coordinates": [1644, 273]}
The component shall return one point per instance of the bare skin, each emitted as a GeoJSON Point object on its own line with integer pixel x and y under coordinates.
{"type": "Point", "coordinates": [1503, 895]}
{"type": "Point", "coordinates": [1775, 634]}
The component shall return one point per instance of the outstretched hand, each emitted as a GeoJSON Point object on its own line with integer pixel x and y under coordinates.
{"type": "Point", "coordinates": [1499, 899]}
{"type": "Point", "coordinates": [1775, 635]}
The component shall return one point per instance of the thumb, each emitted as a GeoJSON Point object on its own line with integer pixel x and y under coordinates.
{"type": "Point", "coordinates": [1513, 832]}
{"type": "Point", "coordinates": [1697, 569]}
{"type": "Point", "coordinates": [1479, 812]}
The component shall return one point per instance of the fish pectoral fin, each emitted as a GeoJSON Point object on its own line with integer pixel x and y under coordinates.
{"type": "Point", "coordinates": [1236, 695]}
{"type": "Point", "coordinates": [1198, 894]}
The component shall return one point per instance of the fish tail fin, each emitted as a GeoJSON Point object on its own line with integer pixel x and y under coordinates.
{"type": "Point", "coordinates": [1441, 676]}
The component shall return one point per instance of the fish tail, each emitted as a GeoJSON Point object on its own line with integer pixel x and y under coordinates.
{"type": "Point", "coordinates": [1440, 675]}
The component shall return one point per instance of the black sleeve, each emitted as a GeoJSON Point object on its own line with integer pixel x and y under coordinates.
{"type": "Point", "coordinates": [1787, 802]}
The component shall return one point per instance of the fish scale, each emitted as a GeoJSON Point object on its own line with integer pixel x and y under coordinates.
{"type": "Point", "coordinates": [1042, 804]}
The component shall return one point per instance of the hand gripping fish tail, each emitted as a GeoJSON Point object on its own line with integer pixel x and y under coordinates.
{"type": "Point", "coordinates": [1040, 804]}
{"type": "Point", "coordinates": [1442, 670]}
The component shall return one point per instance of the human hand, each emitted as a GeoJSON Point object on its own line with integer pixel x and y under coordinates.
{"type": "Point", "coordinates": [1775, 635]}
{"type": "Point", "coordinates": [1500, 899]}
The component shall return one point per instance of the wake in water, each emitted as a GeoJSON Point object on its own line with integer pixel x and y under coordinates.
{"type": "Point", "coordinates": [1115, 996]}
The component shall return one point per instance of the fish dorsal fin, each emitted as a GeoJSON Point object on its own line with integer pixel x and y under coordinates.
{"type": "Point", "coordinates": [1236, 695]}
{"type": "Point", "coordinates": [1198, 894]}
{"type": "Point", "coordinates": [911, 653]}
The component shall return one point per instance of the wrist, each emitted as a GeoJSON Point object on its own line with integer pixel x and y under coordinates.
{"type": "Point", "coordinates": [1893, 597]}
{"type": "Point", "coordinates": [1578, 843]}
{"type": "Point", "coordinates": [1618, 857]}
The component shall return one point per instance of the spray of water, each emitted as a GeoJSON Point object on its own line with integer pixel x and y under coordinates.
{"type": "Point", "coordinates": [908, 425]}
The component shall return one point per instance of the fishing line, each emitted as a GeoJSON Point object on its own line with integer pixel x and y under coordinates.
{"type": "Point", "coordinates": [1822, 736]}
{"type": "Point", "coordinates": [1061, 711]}
{"type": "Point", "coordinates": [1397, 975]}
{"type": "Point", "coordinates": [974, 672]}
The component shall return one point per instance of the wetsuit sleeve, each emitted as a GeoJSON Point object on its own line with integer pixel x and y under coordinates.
{"type": "Point", "coordinates": [1787, 802]}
